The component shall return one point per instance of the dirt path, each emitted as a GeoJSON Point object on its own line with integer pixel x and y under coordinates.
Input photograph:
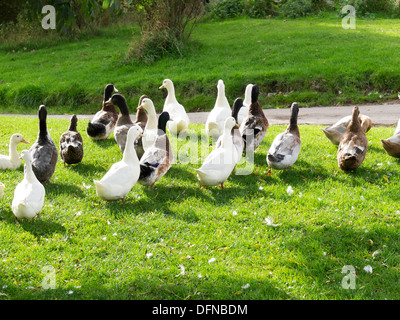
{"type": "Point", "coordinates": [381, 115]}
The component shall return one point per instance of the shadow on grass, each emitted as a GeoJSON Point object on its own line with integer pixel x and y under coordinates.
{"type": "Point", "coordinates": [41, 226]}
{"type": "Point", "coordinates": [324, 251]}
{"type": "Point", "coordinates": [84, 169]}
{"type": "Point", "coordinates": [105, 144]}
{"type": "Point", "coordinates": [38, 226]}
{"type": "Point", "coordinates": [57, 188]}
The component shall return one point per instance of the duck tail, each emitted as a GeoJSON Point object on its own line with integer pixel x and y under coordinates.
{"type": "Point", "coordinates": [275, 158]}
{"type": "Point", "coordinates": [94, 129]}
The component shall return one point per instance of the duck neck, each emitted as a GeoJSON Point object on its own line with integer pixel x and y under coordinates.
{"type": "Point", "coordinates": [226, 138]}
{"type": "Point", "coordinates": [72, 126]}
{"type": "Point", "coordinates": [28, 172]}
{"type": "Point", "coordinates": [171, 95]}
{"type": "Point", "coordinates": [123, 107]}
{"type": "Point", "coordinates": [42, 129]}
{"type": "Point", "coordinates": [130, 155]}
{"type": "Point", "coordinates": [293, 120]}
{"type": "Point", "coordinates": [152, 121]}
{"type": "Point", "coordinates": [255, 108]}
{"type": "Point", "coordinates": [355, 123]}
{"type": "Point", "coordinates": [221, 99]}
{"type": "Point", "coordinates": [141, 116]}
{"type": "Point", "coordinates": [247, 98]}
{"type": "Point", "coordinates": [13, 152]}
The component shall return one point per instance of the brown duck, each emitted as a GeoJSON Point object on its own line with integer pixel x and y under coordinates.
{"type": "Point", "coordinates": [104, 121]}
{"type": "Point", "coordinates": [255, 125]}
{"type": "Point", "coordinates": [353, 145]}
{"type": "Point", "coordinates": [157, 159]}
{"type": "Point", "coordinates": [71, 143]}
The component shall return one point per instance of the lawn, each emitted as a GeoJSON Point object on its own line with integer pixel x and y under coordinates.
{"type": "Point", "coordinates": [182, 242]}
{"type": "Point", "coordinates": [312, 60]}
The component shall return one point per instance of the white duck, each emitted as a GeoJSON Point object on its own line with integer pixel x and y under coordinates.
{"type": "Point", "coordinates": [392, 144]}
{"type": "Point", "coordinates": [244, 111]}
{"type": "Point", "coordinates": [179, 119]}
{"type": "Point", "coordinates": [12, 161]}
{"type": "Point", "coordinates": [150, 130]}
{"type": "Point", "coordinates": [217, 116]}
{"type": "Point", "coordinates": [220, 163]}
{"type": "Point", "coordinates": [29, 193]}
{"type": "Point", "coordinates": [285, 148]}
{"type": "Point", "coordinates": [237, 139]}
{"type": "Point", "coordinates": [123, 175]}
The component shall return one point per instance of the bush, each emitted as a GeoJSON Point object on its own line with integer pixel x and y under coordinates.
{"type": "Point", "coordinates": [260, 8]}
{"type": "Point", "coordinates": [166, 25]}
{"type": "Point", "coordinates": [295, 8]}
{"type": "Point", "coordinates": [154, 45]}
{"type": "Point", "coordinates": [227, 8]}
{"type": "Point", "coordinates": [367, 7]}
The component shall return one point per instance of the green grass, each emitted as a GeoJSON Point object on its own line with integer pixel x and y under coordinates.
{"type": "Point", "coordinates": [312, 60]}
{"type": "Point", "coordinates": [98, 249]}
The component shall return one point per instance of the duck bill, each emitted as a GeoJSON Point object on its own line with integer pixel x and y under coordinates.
{"type": "Point", "coordinates": [161, 87]}
{"type": "Point", "coordinates": [24, 141]}
{"type": "Point", "coordinates": [108, 102]}
{"type": "Point", "coordinates": [140, 107]}
{"type": "Point", "coordinates": [141, 135]}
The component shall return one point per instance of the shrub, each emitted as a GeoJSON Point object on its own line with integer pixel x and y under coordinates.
{"type": "Point", "coordinates": [166, 25]}
{"type": "Point", "coordinates": [154, 45]}
{"type": "Point", "coordinates": [260, 8]}
{"type": "Point", "coordinates": [227, 8]}
{"type": "Point", "coordinates": [367, 7]}
{"type": "Point", "coordinates": [295, 8]}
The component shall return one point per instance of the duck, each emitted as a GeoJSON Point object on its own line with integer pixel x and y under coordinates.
{"type": "Point", "coordinates": [103, 122]}
{"type": "Point", "coordinates": [254, 127]}
{"type": "Point", "coordinates": [29, 194]}
{"type": "Point", "coordinates": [236, 136]}
{"type": "Point", "coordinates": [124, 122]}
{"type": "Point", "coordinates": [122, 175]}
{"type": "Point", "coordinates": [141, 120]}
{"type": "Point", "coordinates": [221, 161]}
{"type": "Point", "coordinates": [244, 111]}
{"type": "Point", "coordinates": [44, 152]}
{"type": "Point", "coordinates": [179, 119]}
{"type": "Point", "coordinates": [336, 131]}
{"type": "Point", "coordinates": [150, 129]}
{"type": "Point", "coordinates": [217, 116]}
{"type": "Point", "coordinates": [157, 159]}
{"type": "Point", "coordinates": [71, 143]}
{"type": "Point", "coordinates": [392, 144]}
{"type": "Point", "coordinates": [286, 146]}
{"type": "Point", "coordinates": [141, 116]}
{"type": "Point", "coordinates": [12, 161]}
{"type": "Point", "coordinates": [353, 145]}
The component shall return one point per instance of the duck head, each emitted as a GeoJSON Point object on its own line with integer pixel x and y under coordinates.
{"type": "Point", "coordinates": [134, 132]}
{"type": "Point", "coordinates": [229, 123]}
{"type": "Point", "coordinates": [147, 105]}
{"type": "Point", "coordinates": [108, 91]}
{"type": "Point", "coordinates": [255, 91]}
{"type": "Point", "coordinates": [236, 107]}
{"type": "Point", "coordinates": [162, 122]}
{"type": "Point", "coordinates": [26, 156]}
{"type": "Point", "coordinates": [17, 138]}
{"type": "Point", "coordinates": [167, 84]}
